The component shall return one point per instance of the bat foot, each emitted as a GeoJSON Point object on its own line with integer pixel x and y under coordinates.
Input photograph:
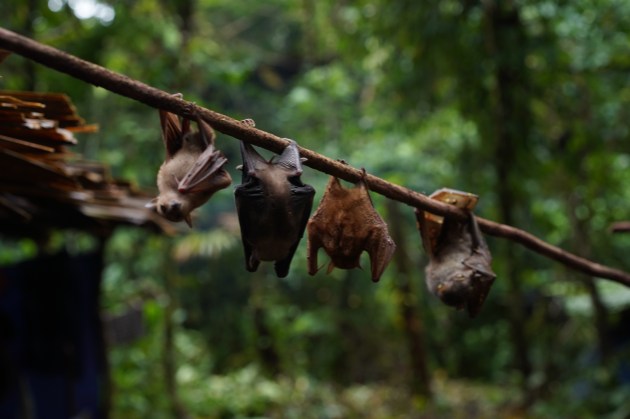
{"type": "Point", "coordinates": [252, 264]}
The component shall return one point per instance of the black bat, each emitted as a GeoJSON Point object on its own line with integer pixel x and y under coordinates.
{"type": "Point", "coordinates": [346, 224]}
{"type": "Point", "coordinates": [273, 207]}
{"type": "Point", "coordinates": [192, 171]}
{"type": "Point", "coordinates": [459, 270]}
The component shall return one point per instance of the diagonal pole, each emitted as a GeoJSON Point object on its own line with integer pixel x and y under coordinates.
{"type": "Point", "coordinates": [156, 98]}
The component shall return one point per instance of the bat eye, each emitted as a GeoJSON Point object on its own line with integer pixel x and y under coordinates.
{"type": "Point", "coordinates": [163, 209]}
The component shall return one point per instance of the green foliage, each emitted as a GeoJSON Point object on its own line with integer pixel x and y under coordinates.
{"type": "Point", "coordinates": [408, 90]}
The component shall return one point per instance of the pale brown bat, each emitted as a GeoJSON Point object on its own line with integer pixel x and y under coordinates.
{"type": "Point", "coordinates": [192, 171]}
{"type": "Point", "coordinates": [459, 270]}
{"type": "Point", "coordinates": [273, 206]}
{"type": "Point", "coordinates": [345, 224]}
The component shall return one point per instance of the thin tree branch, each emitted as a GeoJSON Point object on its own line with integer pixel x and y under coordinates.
{"type": "Point", "coordinates": [125, 86]}
{"type": "Point", "coordinates": [620, 227]}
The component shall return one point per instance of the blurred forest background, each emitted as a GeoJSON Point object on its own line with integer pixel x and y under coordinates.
{"type": "Point", "coordinates": [525, 103]}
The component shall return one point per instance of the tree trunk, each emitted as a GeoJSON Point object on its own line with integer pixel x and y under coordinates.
{"type": "Point", "coordinates": [168, 355]}
{"type": "Point", "coordinates": [265, 342]}
{"type": "Point", "coordinates": [509, 121]}
{"type": "Point", "coordinates": [583, 247]}
{"type": "Point", "coordinates": [29, 30]}
{"type": "Point", "coordinates": [412, 322]}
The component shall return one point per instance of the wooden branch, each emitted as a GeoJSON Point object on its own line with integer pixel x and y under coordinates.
{"type": "Point", "coordinates": [620, 227]}
{"type": "Point", "coordinates": [125, 86]}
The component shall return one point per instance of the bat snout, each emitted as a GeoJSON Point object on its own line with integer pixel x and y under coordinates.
{"type": "Point", "coordinates": [453, 293]}
{"type": "Point", "coordinates": [172, 210]}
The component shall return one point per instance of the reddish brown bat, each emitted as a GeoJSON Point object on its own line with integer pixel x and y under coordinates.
{"type": "Point", "coordinates": [346, 224]}
{"type": "Point", "coordinates": [459, 270]}
{"type": "Point", "coordinates": [193, 169]}
{"type": "Point", "coordinates": [273, 206]}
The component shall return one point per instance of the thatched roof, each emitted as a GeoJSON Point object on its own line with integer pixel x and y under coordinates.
{"type": "Point", "coordinates": [44, 186]}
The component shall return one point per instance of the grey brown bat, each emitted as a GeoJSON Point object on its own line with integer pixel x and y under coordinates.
{"type": "Point", "coordinates": [459, 270]}
{"type": "Point", "coordinates": [192, 171]}
{"type": "Point", "coordinates": [345, 224]}
{"type": "Point", "coordinates": [273, 207]}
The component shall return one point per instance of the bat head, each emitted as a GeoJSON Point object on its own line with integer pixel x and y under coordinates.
{"type": "Point", "coordinates": [452, 288]}
{"type": "Point", "coordinates": [460, 286]}
{"type": "Point", "coordinates": [171, 206]}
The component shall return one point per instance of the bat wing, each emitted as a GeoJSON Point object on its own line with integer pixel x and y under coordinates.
{"type": "Point", "coordinates": [381, 248]}
{"type": "Point", "coordinates": [249, 201]}
{"type": "Point", "coordinates": [301, 205]}
{"type": "Point", "coordinates": [313, 244]}
{"type": "Point", "coordinates": [379, 244]}
{"type": "Point", "coordinates": [480, 261]}
{"type": "Point", "coordinates": [206, 175]}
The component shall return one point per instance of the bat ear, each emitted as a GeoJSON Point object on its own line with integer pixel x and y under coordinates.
{"type": "Point", "coordinates": [152, 204]}
{"type": "Point", "coordinates": [188, 219]}
{"type": "Point", "coordinates": [290, 159]}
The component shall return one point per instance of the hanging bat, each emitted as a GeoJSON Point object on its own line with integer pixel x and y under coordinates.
{"type": "Point", "coordinates": [459, 270]}
{"type": "Point", "coordinates": [193, 169]}
{"type": "Point", "coordinates": [345, 224]}
{"type": "Point", "coordinates": [273, 207]}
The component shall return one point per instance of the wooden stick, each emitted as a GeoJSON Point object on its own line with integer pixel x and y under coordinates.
{"type": "Point", "coordinates": [125, 86]}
